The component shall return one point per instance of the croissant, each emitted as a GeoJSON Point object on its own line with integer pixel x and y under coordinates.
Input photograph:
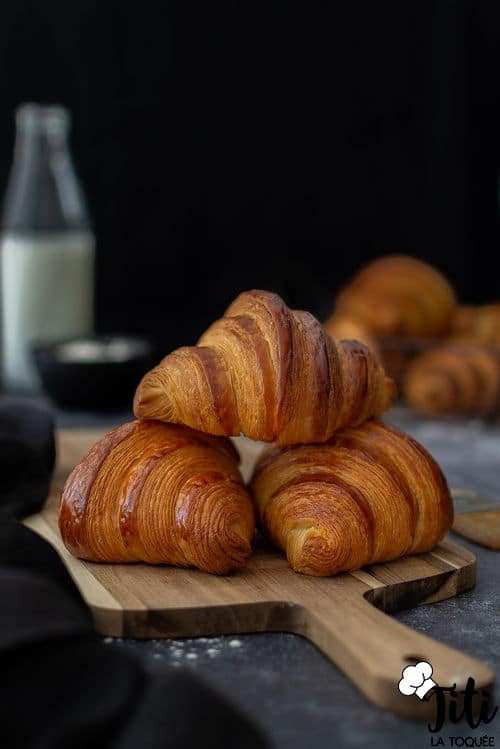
{"type": "Point", "coordinates": [369, 495]}
{"type": "Point", "coordinates": [158, 493]}
{"type": "Point", "coordinates": [399, 295]}
{"type": "Point", "coordinates": [269, 372]}
{"type": "Point", "coordinates": [454, 379]}
{"type": "Point", "coordinates": [480, 324]}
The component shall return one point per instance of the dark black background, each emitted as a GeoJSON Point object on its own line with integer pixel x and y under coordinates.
{"type": "Point", "coordinates": [229, 145]}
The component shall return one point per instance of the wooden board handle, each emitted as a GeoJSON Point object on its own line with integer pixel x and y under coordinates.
{"type": "Point", "coordinates": [372, 649]}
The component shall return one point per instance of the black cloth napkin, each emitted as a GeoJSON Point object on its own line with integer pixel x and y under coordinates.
{"type": "Point", "coordinates": [60, 686]}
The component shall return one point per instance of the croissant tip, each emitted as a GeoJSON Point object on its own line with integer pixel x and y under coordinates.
{"type": "Point", "coordinates": [145, 399]}
{"type": "Point", "coordinates": [309, 553]}
{"type": "Point", "coordinates": [137, 403]}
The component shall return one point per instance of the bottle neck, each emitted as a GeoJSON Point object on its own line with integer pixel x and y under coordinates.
{"type": "Point", "coordinates": [43, 193]}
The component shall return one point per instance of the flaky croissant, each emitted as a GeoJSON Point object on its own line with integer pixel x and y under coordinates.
{"type": "Point", "coordinates": [479, 324]}
{"type": "Point", "coordinates": [158, 493]}
{"type": "Point", "coordinates": [369, 495]}
{"type": "Point", "coordinates": [269, 372]}
{"type": "Point", "coordinates": [462, 379]}
{"type": "Point", "coordinates": [399, 295]}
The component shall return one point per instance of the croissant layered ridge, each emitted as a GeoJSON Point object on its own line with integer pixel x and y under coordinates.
{"type": "Point", "coordinates": [268, 372]}
{"type": "Point", "coordinates": [370, 494]}
{"type": "Point", "coordinates": [159, 493]}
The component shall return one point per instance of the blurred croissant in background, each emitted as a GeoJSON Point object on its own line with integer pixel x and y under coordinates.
{"type": "Point", "coordinates": [460, 379]}
{"type": "Point", "coordinates": [479, 324]}
{"type": "Point", "coordinates": [399, 295]}
{"type": "Point", "coordinates": [406, 312]}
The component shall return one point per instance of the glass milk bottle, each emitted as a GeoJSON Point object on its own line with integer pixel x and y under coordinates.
{"type": "Point", "coordinates": [47, 246]}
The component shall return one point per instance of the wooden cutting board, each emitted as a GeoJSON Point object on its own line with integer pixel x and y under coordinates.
{"type": "Point", "coordinates": [476, 518]}
{"type": "Point", "coordinates": [344, 615]}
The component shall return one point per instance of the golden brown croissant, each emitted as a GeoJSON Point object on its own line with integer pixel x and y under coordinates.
{"type": "Point", "coordinates": [269, 372]}
{"type": "Point", "coordinates": [454, 379]}
{"type": "Point", "coordinates": [399, 295]}
{"type": "Point", "coordinates": [478, 324]}
{"type": "Point", "coordinates": [158, 493]}
{"type": "Point", "coordinates": [368, 495]}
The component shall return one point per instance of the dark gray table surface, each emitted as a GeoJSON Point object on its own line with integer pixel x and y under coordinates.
{"type": "Point", "coordinates": [298, 697]}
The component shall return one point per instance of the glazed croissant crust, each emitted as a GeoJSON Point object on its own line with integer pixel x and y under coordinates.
{"type": "Point", "coordinates": [462, 379]}
{"type": "Point", "coordinates": [399, 295]}
{"type": "Point", "coordinates": [269, 372]}
{"type": "Point", "coordinates": [158, 493]}
{"type": "Point", "coordinates": [369, 495]}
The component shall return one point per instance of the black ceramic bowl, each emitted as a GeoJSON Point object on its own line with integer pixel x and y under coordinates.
{"type": "Point", "coordinates": [94, 374]}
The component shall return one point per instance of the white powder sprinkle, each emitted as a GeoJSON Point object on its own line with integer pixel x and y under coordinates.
{"type": "Point", "coordinates": [235, 643]}
{"type": "Point", "coordinates": [191, 656]}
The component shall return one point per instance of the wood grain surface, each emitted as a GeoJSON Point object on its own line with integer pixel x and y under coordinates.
{"type": "Point", "coordinates": [480, 522]}
{"type": "Point", "coordinates": [481, 527]}
{"type": "Point", "coordinates": [344, 615]}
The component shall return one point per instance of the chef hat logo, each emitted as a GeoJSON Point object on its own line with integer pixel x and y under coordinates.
{"type": "Point", "coordinates": [417, 680]}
